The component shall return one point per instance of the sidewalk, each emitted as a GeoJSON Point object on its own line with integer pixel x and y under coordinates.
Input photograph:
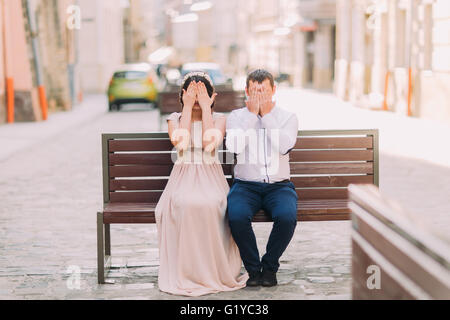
{"type": "Point", "coordinates": [23, 136]}
{"type": "Point", "coordinates": [399, 135]}
{"type": "Point", "coordinates": [414, 153]}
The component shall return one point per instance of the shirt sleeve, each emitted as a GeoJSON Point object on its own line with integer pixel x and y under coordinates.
{"type": "Point", "coordinates": [238, 130]}
{"type": "Point", "coordinates": [288, 131]}
{"type": "Point", "coordinates": [175, 117]}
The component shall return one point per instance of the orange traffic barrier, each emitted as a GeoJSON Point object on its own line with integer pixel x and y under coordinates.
{"type": "Point", "coordinates": [10, 100]}
{"type": "Point", "coordinates": [43, 102]}
{"type": "Point", "coordinates": [386, 86]}
{"type": "Point", "coordinates": [409, 92]}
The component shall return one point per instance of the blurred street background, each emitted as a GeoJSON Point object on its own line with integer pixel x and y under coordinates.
{"type": "Point", "coordinates": [342, 64]}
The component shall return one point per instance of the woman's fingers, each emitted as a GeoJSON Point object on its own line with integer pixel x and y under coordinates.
{"type": "Point", "coordinates": [192, 87]}
{"type": "Point", "coordinates": [202, 88]}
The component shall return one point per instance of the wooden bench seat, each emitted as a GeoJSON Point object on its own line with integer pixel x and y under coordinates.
{"type": "Point", "coordinates": [136, 168]}
{"type": "Point", "coordinates": [144, 212]}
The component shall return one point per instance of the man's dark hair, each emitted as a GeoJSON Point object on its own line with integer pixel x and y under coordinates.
{"type": "Point", "coordinates": [259, 75]}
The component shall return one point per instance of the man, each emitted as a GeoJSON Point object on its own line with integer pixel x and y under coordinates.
{"type": "Point", "coordinates": [262, 135]}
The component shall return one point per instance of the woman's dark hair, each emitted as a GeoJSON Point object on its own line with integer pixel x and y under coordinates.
{"type": "Point", "coordinates": [197, 77]}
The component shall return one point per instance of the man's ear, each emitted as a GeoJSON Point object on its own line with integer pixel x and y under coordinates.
{"type": "Point", "coordinates": [247, 93]}
{"type": "Point", "coordinates": [274, 90]}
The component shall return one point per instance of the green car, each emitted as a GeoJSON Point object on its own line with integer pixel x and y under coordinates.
{"type": "Point", "coordinates": [133, 83]}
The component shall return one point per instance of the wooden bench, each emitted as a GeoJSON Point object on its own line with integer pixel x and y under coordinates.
{"type": "Point", "coordinates": [323, 164]}
{"type": "Point", "coordinates": [411, 262]}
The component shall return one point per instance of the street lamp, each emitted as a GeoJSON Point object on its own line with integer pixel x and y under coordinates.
{"type": "Point", "coordinates": [201, 6]}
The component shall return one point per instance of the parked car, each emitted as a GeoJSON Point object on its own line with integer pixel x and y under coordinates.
{"type": "Point", "coordinates": [220, 80]}
{"type": "Point", "coordinates": [133, 83]}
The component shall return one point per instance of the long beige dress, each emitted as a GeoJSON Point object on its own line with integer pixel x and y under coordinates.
{"type": "Point", "coordinates": [196, 249]}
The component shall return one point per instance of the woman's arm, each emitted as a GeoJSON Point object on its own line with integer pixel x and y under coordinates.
{"type": "Point", "coordinates": [213, 137]}
{"type": "Point", "coordinates": [180, 131]}
{"type": "Point", "coordinates": [212, 133]}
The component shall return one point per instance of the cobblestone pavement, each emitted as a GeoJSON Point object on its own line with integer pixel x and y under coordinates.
{"type": "Point", "coordinates": [50, 187]}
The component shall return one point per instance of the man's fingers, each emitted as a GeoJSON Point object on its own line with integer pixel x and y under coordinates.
{"type": "Point", "coordinates": [258, 99]}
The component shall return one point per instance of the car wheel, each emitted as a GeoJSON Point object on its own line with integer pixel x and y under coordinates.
{"type": "Point", "coordinates": [114, 107]}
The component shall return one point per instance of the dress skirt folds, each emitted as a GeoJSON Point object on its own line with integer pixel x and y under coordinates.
{"type": "Point", "coordinates": [197, 252]}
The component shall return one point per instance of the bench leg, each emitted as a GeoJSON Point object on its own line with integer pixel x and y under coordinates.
{"type": "Point", "coordinates": [103, 260]}
{"type": "Point", "coordinates": [107, 239]}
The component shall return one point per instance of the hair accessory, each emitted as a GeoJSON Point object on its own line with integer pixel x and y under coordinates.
{"type": "Point", "coordinates": [199, 74]}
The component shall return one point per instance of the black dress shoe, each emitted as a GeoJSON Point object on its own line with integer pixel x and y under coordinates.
{"type": "Point", "coordinates": [254, 279]}
{"type": "Point", "coordinates": [269, 279]}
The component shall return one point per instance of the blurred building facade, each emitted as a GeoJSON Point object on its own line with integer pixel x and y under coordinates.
{"type": "Point", "coordinates": [295, 38]}
{"type": "Point", "coordinates": [393, 55]}
{"type": "Point", "coordinates": [292, 38]}
{"type": "Point", "coordinates": [38, 55]}
{"type": "Point", "coordinates": [18, 91]}
{"type": "Point", "coordinates": [101, 46]}
{"type": "Point", "coordinates": [144, 29]}
{"type": "Point", "coordinates": [56, 50]}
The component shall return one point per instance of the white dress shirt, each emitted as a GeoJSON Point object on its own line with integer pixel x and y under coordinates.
{"type": "Point", "coordinates": [262, 144]}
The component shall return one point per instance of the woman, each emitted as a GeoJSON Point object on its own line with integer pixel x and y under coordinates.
{"type": "Point", "coordinates": [196, 250]}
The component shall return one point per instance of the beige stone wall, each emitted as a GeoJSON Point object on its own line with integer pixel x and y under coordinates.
{"type": "Point", "coordinates": [434, 98]}
{"type": "Point", "coordinates": [56, 46]}
{"type": "Point", "coordinates": [101, 44]}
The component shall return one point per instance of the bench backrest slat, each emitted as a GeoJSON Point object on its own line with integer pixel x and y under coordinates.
{"type": "Point", "coordinates": [411, 257]}
{"type": "Point", "coordinates": [323, 164]}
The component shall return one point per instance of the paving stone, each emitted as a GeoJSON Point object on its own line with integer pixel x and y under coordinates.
{"type": "Point", "coordinates": [139, 286]}
{"type": "Point", "coordinates": [132, 298]}
{"type": "Point", "coordinates": [309, 291]}
{"type": "Point", "coordinates": [342, 269]}
{"type": "Point", "coordinates": [321, 279]}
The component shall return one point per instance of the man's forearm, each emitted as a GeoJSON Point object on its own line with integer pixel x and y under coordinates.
{"type": "Point", "coordinates": [287, 133]}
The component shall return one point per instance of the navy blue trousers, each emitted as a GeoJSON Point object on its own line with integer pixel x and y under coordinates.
{"type": "Point", "coordinates": [244, 201]}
